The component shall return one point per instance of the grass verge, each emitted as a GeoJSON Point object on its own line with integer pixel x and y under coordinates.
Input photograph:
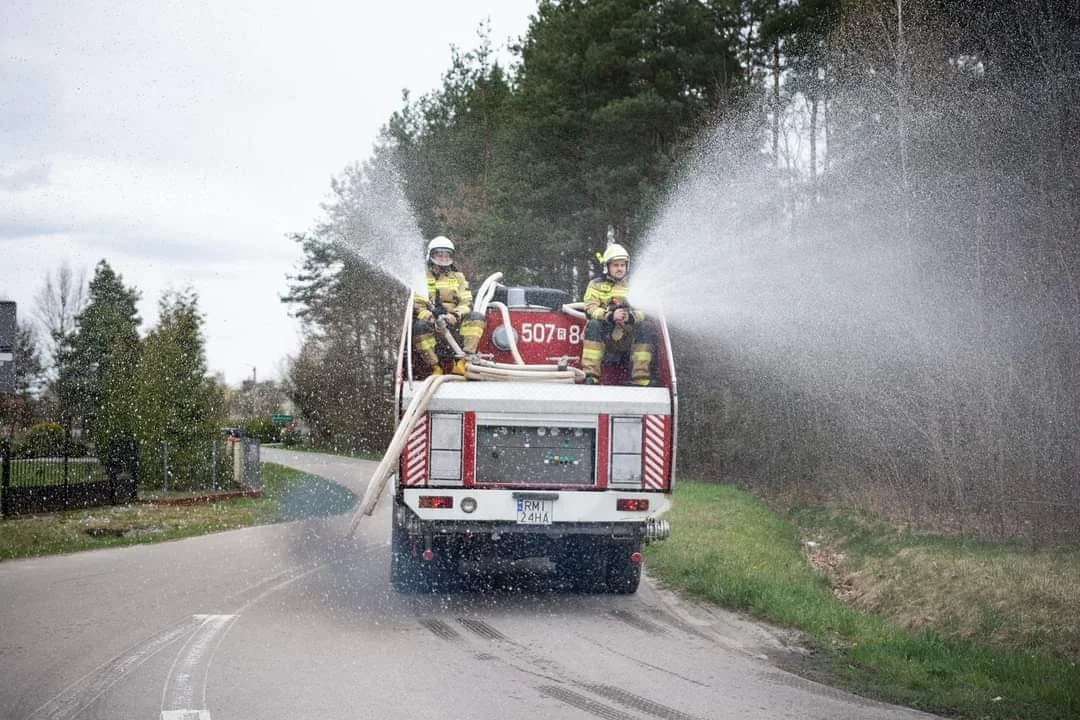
{"type": "Point", "coordinates": [287, 495]}
{"type": "Point", "coordinates": [728, 548]}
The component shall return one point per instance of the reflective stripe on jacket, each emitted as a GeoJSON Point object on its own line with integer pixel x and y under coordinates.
{"type": "Point", "coordinates": [604, 291]}
{"type": "Point", "coordinates": [450, 289]}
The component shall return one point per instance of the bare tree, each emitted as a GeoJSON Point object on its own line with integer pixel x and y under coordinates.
{"type": "Point", "coordinates": [58, 302]}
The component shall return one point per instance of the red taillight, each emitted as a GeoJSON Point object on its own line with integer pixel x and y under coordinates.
{"type": "Point", "coordinates": [438, 502]}
{"type": "Point", "coordinates": [631, 504]}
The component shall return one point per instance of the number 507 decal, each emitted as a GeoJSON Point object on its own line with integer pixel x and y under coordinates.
{"type": "Point", "coordinates": [549, 332]}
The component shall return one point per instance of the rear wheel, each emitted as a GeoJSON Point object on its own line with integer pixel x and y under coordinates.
{"type": "Point", "coordinates": [583, 563]}
{"type": "Point", "coordinates": [405, 568]}
{"type": "Point", "coordinates": [409, 573]}
{"type": "Point", "coordinates": [623, 575]}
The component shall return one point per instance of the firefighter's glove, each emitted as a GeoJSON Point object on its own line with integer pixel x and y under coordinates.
{"type": "Point", "coordinates": [610, 317]}
{"type": "Point", "coordinates": [621, 316]}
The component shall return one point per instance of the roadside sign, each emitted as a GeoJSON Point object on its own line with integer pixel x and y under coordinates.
{"type": "Point", "coordinates": [281, 419]}
{"type": "Point", "coordinates": [7, 348]}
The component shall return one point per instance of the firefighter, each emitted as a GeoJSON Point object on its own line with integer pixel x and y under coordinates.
{"type": "Point", "coordinates": [613, 324]}
{"type": "Point", "coordinates": [447, 306]}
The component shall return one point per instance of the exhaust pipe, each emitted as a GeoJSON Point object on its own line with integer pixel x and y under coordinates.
{"type": "Point", "coordinates": [657, 529]}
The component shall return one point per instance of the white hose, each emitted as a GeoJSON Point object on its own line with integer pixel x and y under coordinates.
{"type": "Point", "coordinates": [575, 310]}
{"type": "Point", "coordinates": [510, 337]}
{"type": "Point", "coordinates": [450, 340]}
{"type": "Point", "coordinates": [417, 408]}
{"type": "Point", "coordinates": [485, 292]}
{"type": "Point", "coordinates": [483, 373]}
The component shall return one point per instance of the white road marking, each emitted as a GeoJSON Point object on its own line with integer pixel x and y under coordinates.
{"type": "Point", "coordinates": [78, 696]}
{"type": "Point", "coordinates": [190, 668]}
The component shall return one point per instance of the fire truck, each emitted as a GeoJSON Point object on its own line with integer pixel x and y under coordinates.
{"type": "Point", "coordinates": [518, 462]}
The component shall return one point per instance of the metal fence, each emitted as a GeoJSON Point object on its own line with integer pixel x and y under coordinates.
{"type": "Point", "coordinates": [59, 481]}
{"type": "Point", "coordinates": [213, 465]}
{"type": "Point", "coordinates": [64, 482]}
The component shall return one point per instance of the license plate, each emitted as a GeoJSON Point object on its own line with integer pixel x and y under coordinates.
{"type": "Point", "coordinates": [535, 512]}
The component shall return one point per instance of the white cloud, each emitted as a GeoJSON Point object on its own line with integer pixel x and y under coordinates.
{"type": "Point", "coordinates": [183, 141]}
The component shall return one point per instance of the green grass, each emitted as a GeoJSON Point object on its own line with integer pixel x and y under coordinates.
{"type": "Point", "coordinates": [287, 495]}
{"type": "Point", "coordinates": [727, 547]}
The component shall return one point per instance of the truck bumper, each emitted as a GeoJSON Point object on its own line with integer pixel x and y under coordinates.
{"type": "Point", "coordinates": [495, 513]}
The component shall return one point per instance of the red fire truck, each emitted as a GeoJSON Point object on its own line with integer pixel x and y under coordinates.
{"type": "Point", "coordinates": [519, 462]}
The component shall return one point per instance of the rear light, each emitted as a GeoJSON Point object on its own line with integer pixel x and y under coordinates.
{"type": "Point", "coordinates": [439, 502]}
{"type": "Point", "coordinates": [445, 451]}
{"type": "Point", "coordinates": [632, 504]}
{"type": "Point", "coordinates": [626, 452]}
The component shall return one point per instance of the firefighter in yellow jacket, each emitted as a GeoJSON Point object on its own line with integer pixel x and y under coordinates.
{"type": "Point", "coordinates": [448, 304]}
{"type": "Point", "coordinates": [613, 324]}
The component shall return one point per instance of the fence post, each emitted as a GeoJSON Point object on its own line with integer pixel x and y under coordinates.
{"type": "Point", "coordinates": [67, 469]}
{"type": "Point", "coordinates": [165, 474]}
{"type": "Point", "coordinates": [5, 475]}
{"type": "Point", "coordinates": [252, 476]}
{"type": "Point", "coordinates": [238, 462]}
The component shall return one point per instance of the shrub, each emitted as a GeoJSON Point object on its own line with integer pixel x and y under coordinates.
{"type": "Point", "coordinates": [262, 429]}
{"type": "Point", "coordinates": [291, 436]}
{"type": "Point", "coordinates": [42, 440]}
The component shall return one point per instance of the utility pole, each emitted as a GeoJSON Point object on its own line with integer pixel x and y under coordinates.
{"type": "Point", "coordinates": [8, 331]}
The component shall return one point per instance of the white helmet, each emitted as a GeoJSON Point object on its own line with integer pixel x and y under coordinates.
{"type": "Point", "coordinates": [614, 251]}
{"type": "Point", "coordinates": [440, 242]}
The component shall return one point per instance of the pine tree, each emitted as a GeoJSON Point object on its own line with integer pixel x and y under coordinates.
{"type": "Point", "coordinates": [97, 361]}
{"type": "Point", "coordinates": [178, 404]}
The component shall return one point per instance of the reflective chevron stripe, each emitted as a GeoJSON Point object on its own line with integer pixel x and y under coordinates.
{"type": "Point", "coordinates": [414, 457]}
{"type": "Point", "coordinates": [654, 459]}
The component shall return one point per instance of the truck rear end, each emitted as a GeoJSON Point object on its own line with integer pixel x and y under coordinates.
{"type": "Point", "coordinates": [518, 464]}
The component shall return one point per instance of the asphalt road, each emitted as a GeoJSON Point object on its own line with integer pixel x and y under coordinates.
{"type": "Point", "coordinates": [297, 621]}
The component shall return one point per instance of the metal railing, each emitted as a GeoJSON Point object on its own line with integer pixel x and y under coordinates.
{"type": "Point", "coordinates": [60, 481]}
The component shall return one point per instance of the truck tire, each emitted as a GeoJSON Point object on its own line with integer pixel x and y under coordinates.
{"type": "Point", "coordinates": [583, 563]}
{"type": "Point", "coordinates": [404, 566]}
{"type": "Point", "coordinates": [623, 576]}
{"type": "Point", "coordinates": [410, 574]}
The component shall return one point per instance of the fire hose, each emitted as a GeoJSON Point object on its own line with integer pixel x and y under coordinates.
{"type": "Point", "coordinates": [415, 411]}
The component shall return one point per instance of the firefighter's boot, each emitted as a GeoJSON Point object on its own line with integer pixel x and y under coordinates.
{"type": "Point", "coordinates": [459, 367]}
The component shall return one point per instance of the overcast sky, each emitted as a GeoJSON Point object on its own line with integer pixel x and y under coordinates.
{"type": "Point", "coordinates": [182, 141]}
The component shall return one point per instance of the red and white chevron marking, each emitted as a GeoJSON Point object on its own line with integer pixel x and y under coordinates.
{"type": "Point", "coordinates": [414, 456]}
{"type": "Point", "coordinates": [653, 457]}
